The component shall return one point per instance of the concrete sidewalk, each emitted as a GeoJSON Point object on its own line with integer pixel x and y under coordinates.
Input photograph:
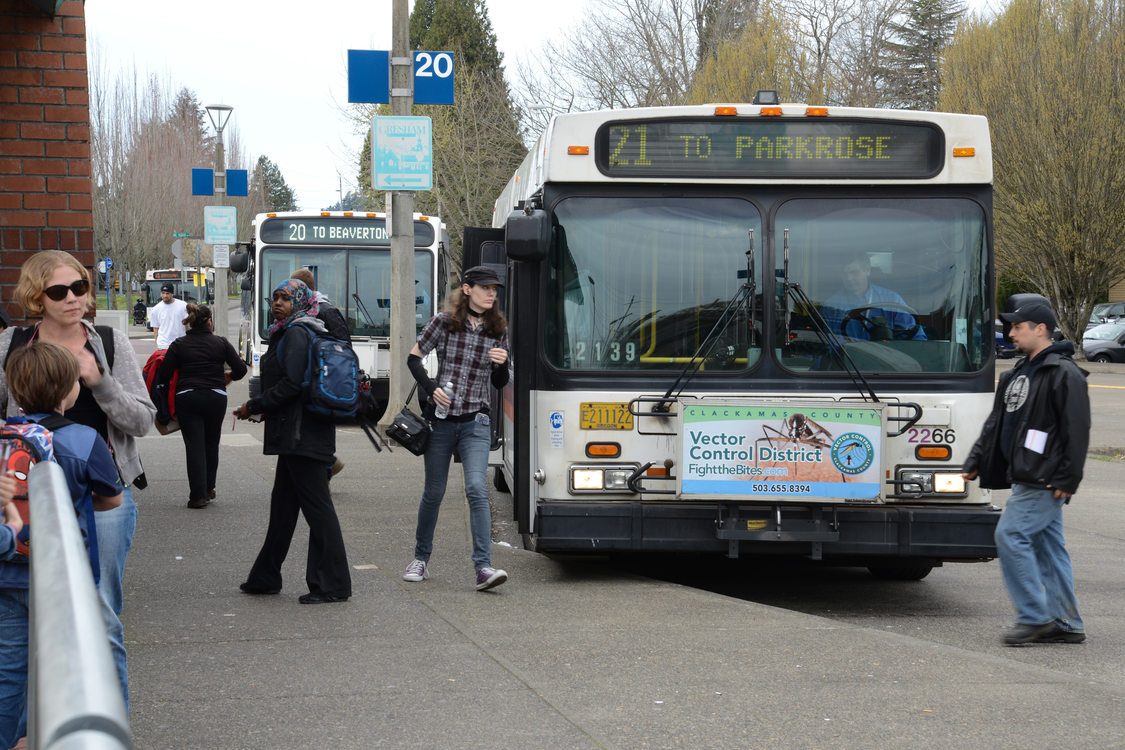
{"type": "Point", "coordinates": [565, 655]}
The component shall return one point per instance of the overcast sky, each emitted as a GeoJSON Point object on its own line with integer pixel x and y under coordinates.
{"type": "Point", "coordinates": [282, 65]}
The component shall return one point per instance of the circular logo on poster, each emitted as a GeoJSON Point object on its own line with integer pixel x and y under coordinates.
{"type": "Point", "coordinates": [852, 453]}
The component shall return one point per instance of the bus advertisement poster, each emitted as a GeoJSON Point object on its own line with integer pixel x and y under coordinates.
{"type": "Point", "coordinates": [747, 449]}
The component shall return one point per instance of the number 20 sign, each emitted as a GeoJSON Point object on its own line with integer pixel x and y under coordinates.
{"type": "Point", "coordinates": [433, 78]}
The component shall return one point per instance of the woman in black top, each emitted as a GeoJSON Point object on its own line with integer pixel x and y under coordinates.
{"type": "Point", "coordinates": [201, 397]}
{"type": "Point", "coordinates": [305, 444]}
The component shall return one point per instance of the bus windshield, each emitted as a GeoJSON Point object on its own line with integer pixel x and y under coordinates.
{"type": "Point", "coordinates": [899, 281]}
{"type": "Point", "coordinates": [638, 283]}
{"type": "Point", "coordinates": [357, 282]}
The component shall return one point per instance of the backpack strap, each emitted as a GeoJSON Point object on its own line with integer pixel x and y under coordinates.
{"type": "Point", "coordinates": [20, 336]}
{"type": "Point", "coordinates": [54, 422]}
{"type": "Point", "coordinates": [106, 333]}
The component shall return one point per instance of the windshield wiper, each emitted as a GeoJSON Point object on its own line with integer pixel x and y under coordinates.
{"type": "Point", "coordinates": [703, 351]}
{"type": "Point", "coordinates": [820, 326]}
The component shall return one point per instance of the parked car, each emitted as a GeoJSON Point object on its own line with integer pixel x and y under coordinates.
{"type": "Point", "coordinates": [1106, 312]}
{"type": "Point", "coordinates": [1004, 346]}
{"type": "Point", "coordinates": [1105, 343]}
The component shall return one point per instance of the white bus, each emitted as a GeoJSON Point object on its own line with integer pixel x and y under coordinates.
{"type": "Point", "coordinates": [191, 284]}
{"type": "Point", "coordinates": [750, 329]}
{"type": "Point", "coordinates": [349, 256]}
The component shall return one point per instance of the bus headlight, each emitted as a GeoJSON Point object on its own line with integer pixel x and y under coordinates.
{"type": "Point", "coordinates": [927, 482]}
{"type": "Point", "coordinates": [600, 478]}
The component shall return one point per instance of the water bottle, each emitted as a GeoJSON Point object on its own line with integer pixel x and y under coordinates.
{"type": "Point", "coordinates": [442, 411]}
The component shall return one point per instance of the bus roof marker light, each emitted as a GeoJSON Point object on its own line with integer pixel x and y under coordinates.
{"type": "Point", "coordinates": [816, 111]}
{"type": "Point", "coordinates": [578, 150]}
{"type": "Point", "coordinates": [771, 112]}
{"type": "Point", "coordinates": [726, 111]}
{"type": "Point", "coordinates": [965, 151]}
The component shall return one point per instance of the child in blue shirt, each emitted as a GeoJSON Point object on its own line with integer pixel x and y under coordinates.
{"type": "Point", "coordinates": [43, 380]}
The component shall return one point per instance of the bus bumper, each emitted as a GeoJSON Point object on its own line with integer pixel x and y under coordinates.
{"type": "Point", "coordinates": [862, 533]}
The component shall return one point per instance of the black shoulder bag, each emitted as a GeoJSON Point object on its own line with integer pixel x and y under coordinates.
{"type": "Point", "coordinates": [410, 430]}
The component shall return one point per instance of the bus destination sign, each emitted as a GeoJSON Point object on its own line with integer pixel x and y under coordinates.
{"type": "Point", "coordinates": [770, 148]}
{"type": "Point", "coordinates": [337, 230]}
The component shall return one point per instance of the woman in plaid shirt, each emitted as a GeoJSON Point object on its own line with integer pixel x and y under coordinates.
{"type": "Point", "coordinates": [471, 339]}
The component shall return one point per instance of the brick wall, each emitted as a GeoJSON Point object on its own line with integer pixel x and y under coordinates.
{"type": "Point", "coordinates": [45, 188]}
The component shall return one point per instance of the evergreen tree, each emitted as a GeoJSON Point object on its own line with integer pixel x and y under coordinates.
{"type": "Point", "coordinates": [276, 194]}
{"type": "Point", "coordinates": [460, 26]}
{"type": "Point", "coordinates": [913, 74]}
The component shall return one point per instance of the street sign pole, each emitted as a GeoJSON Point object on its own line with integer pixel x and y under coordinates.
{"type": "Point", "coordinates": [403, 325]}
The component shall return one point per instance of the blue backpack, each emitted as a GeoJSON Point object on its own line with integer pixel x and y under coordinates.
{"type": "Point", "coordinates": [331, 379]}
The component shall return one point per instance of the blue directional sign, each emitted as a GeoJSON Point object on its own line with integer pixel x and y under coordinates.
{"type": "Point", "coordinates": [402, 153]}
{"type": "Point", "coordinates": [202, 182]}
{"type": "Point", "coordinates": [369, 76]}
{"type": "Point", "coordinates": [238, 182]}
{"type": "Point", "coordinates": [433, 78]}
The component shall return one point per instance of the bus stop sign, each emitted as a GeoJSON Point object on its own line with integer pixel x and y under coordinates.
{"type": "Point", "coordinates": [402, 155]}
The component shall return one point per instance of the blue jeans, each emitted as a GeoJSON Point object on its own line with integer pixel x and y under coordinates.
{"type": "Point", "coordinates": [472, 441]}
{"type": "Point", "coordinates": [115, 538]}
{"type": "Point", "coordinates": [14, 609]}
{"type": "Point", "coordinates": [1034, 560]}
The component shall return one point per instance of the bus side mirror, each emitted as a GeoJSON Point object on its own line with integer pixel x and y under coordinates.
{"type": "Point", "coordinates": [247, 284]}
{"type": "Point", "coordinates": [527, 234]}
{"type": "Point", "coordinates": [239, 261]}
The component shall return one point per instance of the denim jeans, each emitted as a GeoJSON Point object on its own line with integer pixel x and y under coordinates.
{"type": "Point", "coordinates": [115, 537]}
{"type": "Point", "coordinates": [14, 609]}
{"type": "Point", "coordinates": [472, 441]}
{"type": "Point", "coordinates": [1034, 561]}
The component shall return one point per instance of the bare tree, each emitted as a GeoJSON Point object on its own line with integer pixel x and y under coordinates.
{"type": "Point", "coordinates": [144, 143]}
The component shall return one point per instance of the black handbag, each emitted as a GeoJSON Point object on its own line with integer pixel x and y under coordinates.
{"type": "Point", "coordinates": [410, 430]}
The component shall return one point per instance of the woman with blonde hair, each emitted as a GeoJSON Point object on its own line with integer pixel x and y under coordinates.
{"type": "Point", "coordinates": [113, 400]}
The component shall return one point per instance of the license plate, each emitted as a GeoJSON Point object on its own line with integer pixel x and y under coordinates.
{"type": "Point", "coordinates": [595, 416]}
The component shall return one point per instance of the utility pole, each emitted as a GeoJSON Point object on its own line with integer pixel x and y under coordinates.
{"type": "Point", "coordinates": [220, 115]}
{"type": "Point", "coordinates": [403, 326]}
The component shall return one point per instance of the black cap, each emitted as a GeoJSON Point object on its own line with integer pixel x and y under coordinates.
{"type": "Point", "coordinates": [169, 287]}
{"type": "Point", "coordinates": [1035, 312]}
{"type": "Point", "coordinates": [481, 276]}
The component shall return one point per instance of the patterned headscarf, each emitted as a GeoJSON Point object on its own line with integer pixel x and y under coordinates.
{"type": "Point", "coordinates": [304, 303]}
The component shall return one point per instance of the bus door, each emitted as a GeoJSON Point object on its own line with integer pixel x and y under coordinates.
{"type": "Point", "coordinates": [484, 246]}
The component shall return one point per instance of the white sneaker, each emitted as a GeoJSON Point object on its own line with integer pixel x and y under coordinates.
{"type": "Point", "coordinates": [415, 572]}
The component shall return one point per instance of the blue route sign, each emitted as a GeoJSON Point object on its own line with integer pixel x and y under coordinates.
{"type": "Point", "coordinates": [202, 182]}
{"type": "Point", "coordinates": [402, 153]}
{"type": "Point", "coordinates": [369, 77]}
{"type": "Point", "coordinates": [433, 78]}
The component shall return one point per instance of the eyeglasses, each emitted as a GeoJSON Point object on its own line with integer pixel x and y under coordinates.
{"type": "Point", "coordinates": [58, 292]}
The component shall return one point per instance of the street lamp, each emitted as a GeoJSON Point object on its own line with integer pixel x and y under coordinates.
{"type": "Point", "coordinates": [220, 115]}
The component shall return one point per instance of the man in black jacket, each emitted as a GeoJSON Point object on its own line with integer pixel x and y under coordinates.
{"type": "Point", "coordinates": [1035, 442]}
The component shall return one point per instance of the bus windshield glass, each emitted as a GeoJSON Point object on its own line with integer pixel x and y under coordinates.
{"type": "Point", "coordinates": [638, 283]}
{"type": "Point", "coordinates": [899, 281]}
{"type": "Point", "coordinates": [356, 281]}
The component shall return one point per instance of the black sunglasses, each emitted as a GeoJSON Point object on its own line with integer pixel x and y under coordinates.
{"type": "Point", "coordinates": [58, 292]}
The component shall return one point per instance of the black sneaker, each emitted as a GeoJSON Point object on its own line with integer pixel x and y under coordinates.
{"type": "Point", "coordinates": [1058, 635]}
{"type": "Point", "coordinates": [1023, 633]}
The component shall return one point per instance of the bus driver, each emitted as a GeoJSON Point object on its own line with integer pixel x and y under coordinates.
{"type": "Point", "coordinates": [859, 304]}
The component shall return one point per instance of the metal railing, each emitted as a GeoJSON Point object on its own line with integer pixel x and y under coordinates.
{"type": "Point", "coordinates": [74, 697]}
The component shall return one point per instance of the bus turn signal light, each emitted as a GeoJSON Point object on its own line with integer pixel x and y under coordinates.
{"type": "Point", "coordinates": [603, 450]}
{"type": "Point", "coordinates": [578, 150]}
{"type": "Point", "coordinates": [967, 151]}
{"type": "Point", "coordinates": [933, 452]}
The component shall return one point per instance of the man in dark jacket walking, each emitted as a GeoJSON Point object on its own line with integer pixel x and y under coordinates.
{"type": "Point", "coordinates": [1035, 442]}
